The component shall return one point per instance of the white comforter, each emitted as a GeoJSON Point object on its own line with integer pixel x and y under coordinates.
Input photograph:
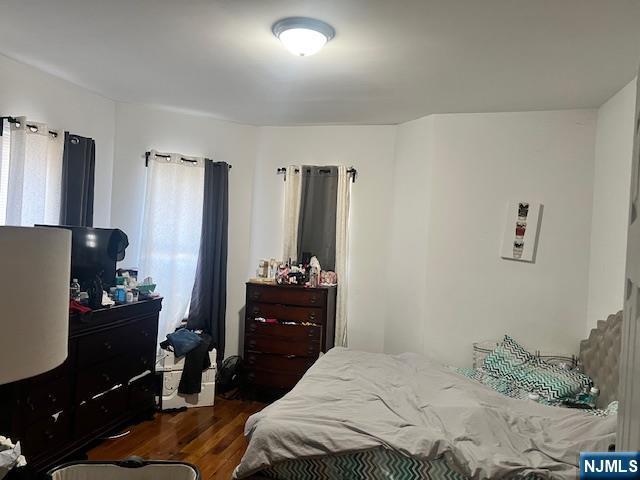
{"type": "Point", "coordinates": [351, 400]}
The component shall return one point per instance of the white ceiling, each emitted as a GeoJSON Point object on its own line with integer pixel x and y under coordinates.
{"type": "Point", "coordinates": [391, 60]}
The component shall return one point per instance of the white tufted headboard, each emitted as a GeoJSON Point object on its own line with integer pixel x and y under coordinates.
{"type": "Point", "coordinates": [600, 356]}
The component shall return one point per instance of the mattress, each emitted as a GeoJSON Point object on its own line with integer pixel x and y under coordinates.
{"type": "Point", "coordinates": [355, 409]}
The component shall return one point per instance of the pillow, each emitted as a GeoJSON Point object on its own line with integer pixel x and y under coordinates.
{"type": "Point", "coordinates": [549, 381]}
{"type": "Point", "coordinates": [506, 359]}
{"type": "Point", "coordinates": [513, 362]}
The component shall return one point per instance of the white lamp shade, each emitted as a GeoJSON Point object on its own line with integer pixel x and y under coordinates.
{"type": "Point", "coordinates": [34, 300]}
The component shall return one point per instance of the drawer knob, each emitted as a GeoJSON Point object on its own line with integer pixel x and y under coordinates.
{"type": "Point", "coordinates": [312, 316]}
{"type": "Point", "coordinates": [52, 398]}
{"type": "Point", "coordinates": [48, 435]}
{"type": "Point", "coordinates": [255, 310]}
{"type": "Point", "coordinates": [106, 345]}
{"type": "Point", "coordinates": [252, 360]}
{"type": "Point", "coordinates": [313, 300]}
{"type": "Point", "coordinates": [104, 409]}
{"type": "Point", "coordinates": [254, 295]}
{"type": "Point", "coordinates": [252, 343]}
{"type": "Point", "coordinates": [106, 377]}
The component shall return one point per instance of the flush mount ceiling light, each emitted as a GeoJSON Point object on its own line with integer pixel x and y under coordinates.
{"type": "Point", "coordinates": [303, 36]}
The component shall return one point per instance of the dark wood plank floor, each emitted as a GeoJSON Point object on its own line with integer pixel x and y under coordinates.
{"type": "Point", "coordinates": [209, 437]}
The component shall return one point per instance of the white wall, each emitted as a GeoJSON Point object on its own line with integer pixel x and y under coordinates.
{"type": "Point", "coordinates": [370, 149]}
{"type": "Point", "coordinates": [611, 185]}
{"type": "Point", "coordinates": [407, 267]}
{"type": "Point", "coordinates": [428, 209]}
{"type": "Point", "coordinates": [475, 164]}
{"type": "Point", "coordinates": [141, 128]}
{"type": "Point", "coordinates": [41, 97]}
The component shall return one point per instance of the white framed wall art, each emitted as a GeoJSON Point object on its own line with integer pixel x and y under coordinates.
{"type": "Point", "coordinates": [520, 239]}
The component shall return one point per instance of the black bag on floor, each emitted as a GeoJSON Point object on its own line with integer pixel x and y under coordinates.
{"type": "Point", "coordinates": [229, 376]}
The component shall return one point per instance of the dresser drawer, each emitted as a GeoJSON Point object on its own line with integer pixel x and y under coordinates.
{"type": "Point", "coordinates": [46, 435]}
{"type": "Point", "coordinates": [102, 377]}
{"type": "Point", "coordinates": [138, 363]}
{"type": "Point", "coordinates": [287, 295]}
{"type": "Point", "coordinates": [101, 346]}
{"type": "Point", "coordinates": [298, 340]}
{"type": "Point", "coordinates": [142, 333]}
{"type": "Point", "coordinates": [142, 392]}
{"type": "Point", "coordinates": [284, 363]}
{"type": "Point", "coordinates": [285, 312]}
{"type": "Point", "coordinates": [273, 378]}
{"type": "Point", "coordinates": [118, 341]}
{"type": "Point", "coordinates": [100, 412]}
{"type": "Point", "coordinates": [45, 399]}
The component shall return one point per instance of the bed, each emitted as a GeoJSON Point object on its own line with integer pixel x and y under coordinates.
{"type": "Point", "coordinates": [358, 415]}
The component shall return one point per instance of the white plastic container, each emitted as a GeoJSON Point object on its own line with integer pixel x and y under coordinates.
{"type": "Point", "coordinates": [171, 368]}
{"type": "Point", "coordinates": [133, 468]}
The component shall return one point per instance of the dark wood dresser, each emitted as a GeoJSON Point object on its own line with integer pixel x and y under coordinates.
{"type": "Point", "coordinates": [94, 392]}
{"type": "Point", "coordinates": [276, 355]}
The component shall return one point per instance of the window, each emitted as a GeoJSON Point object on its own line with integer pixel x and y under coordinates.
{"type": "Point", "coordinates": [30, 173]}
{"type": "Point", "coordinates": [317, 220]}
{"type": "Point", "coordinates": [171, 232]}
{"type": "Point", "coordinates": [4, 171]}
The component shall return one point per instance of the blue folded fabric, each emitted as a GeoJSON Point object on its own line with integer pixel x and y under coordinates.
{"type": "Point", "coordinates": [183, 341]}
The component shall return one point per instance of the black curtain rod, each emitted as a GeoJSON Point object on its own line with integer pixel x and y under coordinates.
{"type": "Point", "coordinates": [15, 120]}
{"type": "Point", "coordinates": [161, 155]}
{"type": "Point", "coordinates": [351, 171]}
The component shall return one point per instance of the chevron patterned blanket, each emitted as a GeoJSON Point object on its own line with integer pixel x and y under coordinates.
{"type": "Point", "coordinates": [350, 402]}
{"type": "Point", "coordinates": [375, 464]}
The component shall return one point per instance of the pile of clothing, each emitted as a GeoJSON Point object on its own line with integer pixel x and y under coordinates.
{"type": "Point", "coordinates": [195, 347]}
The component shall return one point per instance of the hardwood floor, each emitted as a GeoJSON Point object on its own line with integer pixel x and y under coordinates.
{"type": "Point", "coordinates": [209, 437]}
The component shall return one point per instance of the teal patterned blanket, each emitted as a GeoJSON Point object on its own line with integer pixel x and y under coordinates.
{"type": "Point", "coordinates": [512, 389]}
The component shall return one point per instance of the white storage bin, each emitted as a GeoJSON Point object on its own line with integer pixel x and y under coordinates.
{"type": "Point", "coordinates": [131, 469]}
{"type": "Point", "coordinates": [171, 368]}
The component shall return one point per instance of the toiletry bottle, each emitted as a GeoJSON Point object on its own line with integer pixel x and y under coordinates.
{"type": "Point", "coordinates": [120, 294]}
{"type": "Point", "coordinates": [75, 289]}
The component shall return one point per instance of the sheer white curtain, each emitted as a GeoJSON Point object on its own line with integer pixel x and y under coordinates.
{"type": "Point", "coordinates": [292, 191]}
{"type": "Point", "coordinates": [171, 229]}
{"type": "Point", "coordinates": [30, 173]}
{"type": "Point", "coordinates": [342, 254]}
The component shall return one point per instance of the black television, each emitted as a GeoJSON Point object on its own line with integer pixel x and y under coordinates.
{"type": "Point", "coordinates": [94, 252]}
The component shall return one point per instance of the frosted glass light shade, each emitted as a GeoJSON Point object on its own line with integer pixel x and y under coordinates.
{"type": "Point", "coordinates": [34, 300]}
{"type": "Point", "coordinates": [303, 36]}
{"type": "Point", "coordinates": [302, 41]}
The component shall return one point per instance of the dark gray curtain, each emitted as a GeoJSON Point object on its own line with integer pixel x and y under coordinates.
{"type": "Point", "coordinates": [78, 177]}
{"type": "Point", "coordinates": [209, 295]}
{"type": "Point", "coordinates": [317, 225]}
